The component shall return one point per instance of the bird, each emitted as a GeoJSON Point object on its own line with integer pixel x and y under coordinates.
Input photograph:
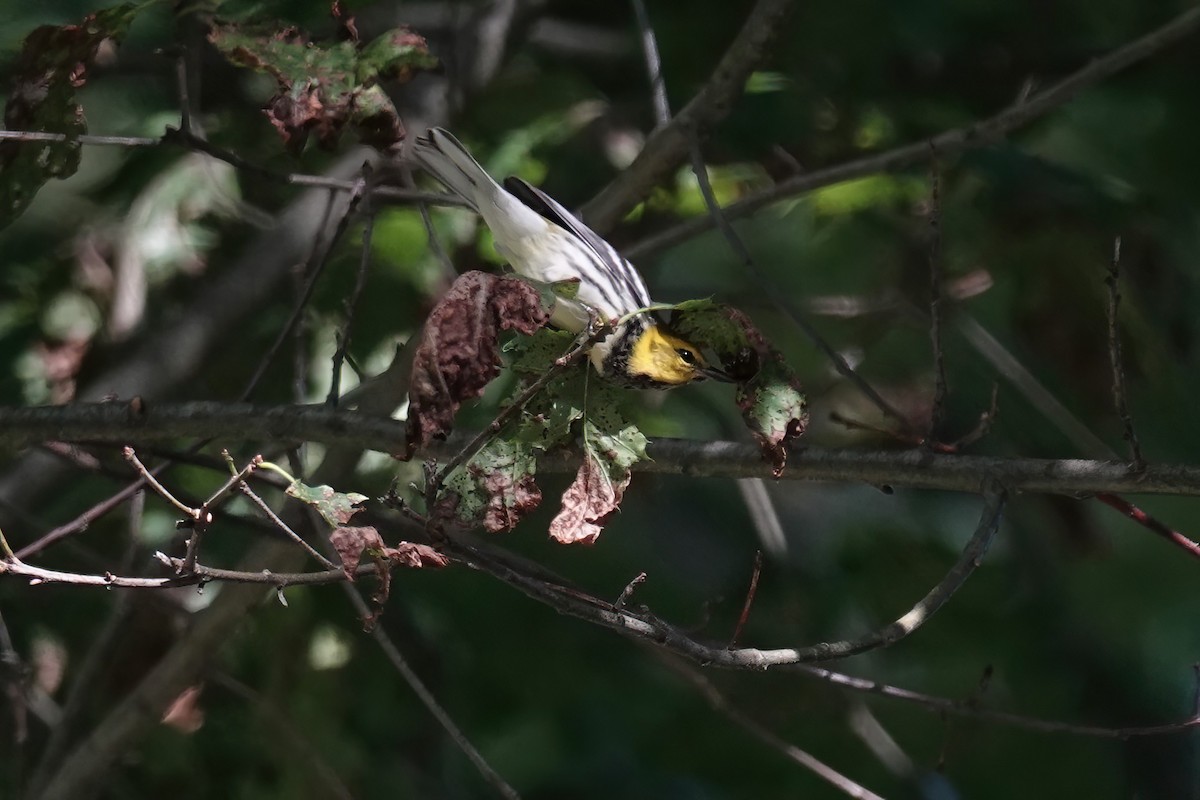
{"type": "Point", "coordinates": [544, 241]}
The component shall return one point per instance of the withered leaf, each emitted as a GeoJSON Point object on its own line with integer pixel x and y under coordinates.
{"type": "Point", "coordinates": [459, 352]}
{"type": "Point", "coordinates": [411, 554]}
{"type": "Point", "coordinates": [350, 542]}
{"type": "Point", "coordinates": [495, 488]}
{"type": "Point", "coordinates": [611, 446]}
{"type": "Point", "coordinates": [53, 63]}
{"type": "Point", "coordinates": [325, 88]}
{"type": "Point", "coordinates": [588, 502]}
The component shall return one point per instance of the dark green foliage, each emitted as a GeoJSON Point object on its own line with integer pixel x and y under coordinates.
{"type": "Point", "coordinates": [1080, 615]}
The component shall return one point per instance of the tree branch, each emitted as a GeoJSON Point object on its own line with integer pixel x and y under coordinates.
{"type": "Point", "coordinates": [669, 145]}
{"type": "Point", "coordinates": [644, 625]}
{"type": "Point", "coordinates": [946, 144]}
{"type": "Point", "coordinates": [911, 469]}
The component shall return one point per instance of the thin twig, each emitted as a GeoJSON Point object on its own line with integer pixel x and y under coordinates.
{"type": "Point", "coordinates": [283, 526]}
{"type": "Point", "coordinates": [237, 476]}
{"type": "Point", "coordinates": [658, 86]}
{"type": "Point", "coordinates": [87, 139]}
{"type": "Point", "coordinates": [313, 276]}
{"type": "Point", "coordinates": [750, 592]}
{"type": "Point", "coordinates": [629, 589]}
{"type": "Point", "coordinates": [107, 505]}
{"type": "Point", "coordinates": [961, 708]}
{"type": "Point", "coordinates": [948, 143]}
{"type": "Point", "coordinates": [986, 419]}
{"type": "Point", "coordinates": [430, 702]}
{"type": "Point", "coordinates": [130, 456]}
{"type": "Point", "coordinates": [938, 410]}
{"type": "Point", "coordinates": [1149, 523]}
{"type": "Point", "coordinates": [360, 282]}
{"type": "Point", "coordinates": [1119, 389]}
{"type": "Point", "coordinates": [667, 147]}
{"type": "Point", "coordinates": [771, 291]}
{"type": "Point", "coordinates": [644, 625]}
{"type": "Point", "coordinates": [777, 296]}
{"type": "Point", "coordinates": [723, 705]}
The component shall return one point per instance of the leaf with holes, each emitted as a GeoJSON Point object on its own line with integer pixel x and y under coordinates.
{"type": "Point", "coordinates": [495, 488]}
{"type": "Point", "coordinates": [53, 63]}
{"type": "Point", "coordinates": [325, 88]}
{"type": "Point", "coordinates": [335, 507]}
{"type": "Point", "coordinates": [769, 394]}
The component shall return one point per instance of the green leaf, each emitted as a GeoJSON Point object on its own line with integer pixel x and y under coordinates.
{"type": "Point", "coordinates": [335, 507]}
{"type": "Point", "coordinates": [708, 323]}
{"type": "Point", "coordinates": [769, 394]}
{"type": "Point", "coordinates": [775, 409]}
{"type": "Point", "coordinates": [535, 354]}
{"type": "Point", "coordinates": [495, 487]}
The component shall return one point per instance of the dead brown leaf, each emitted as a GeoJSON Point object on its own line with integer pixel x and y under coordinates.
{"type": "Point", "coordinates": [459, 353]}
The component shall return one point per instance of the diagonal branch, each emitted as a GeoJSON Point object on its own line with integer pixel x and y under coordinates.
{"type": "Point", "coordinates": [668, 146]}
{"type": "Point", "coordinates": [649, 627]}
{"type": "Point", "coordinates": [946, 144]}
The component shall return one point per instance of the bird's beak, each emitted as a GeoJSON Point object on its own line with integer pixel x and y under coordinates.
{"type": "Point", "coordinates": [716, 374]}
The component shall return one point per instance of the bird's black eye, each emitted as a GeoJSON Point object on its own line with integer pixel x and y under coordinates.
{"type": "Point", "coordinates": [687, 355]}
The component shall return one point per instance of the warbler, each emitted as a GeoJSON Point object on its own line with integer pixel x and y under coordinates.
{"type": "Point", "coordinates": [543, 240]}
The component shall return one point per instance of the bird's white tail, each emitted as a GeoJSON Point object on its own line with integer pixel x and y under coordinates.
{"type": "Point", "coordinates": [444, 157]}
{"type": "Point", "coordinates": [515, 227]}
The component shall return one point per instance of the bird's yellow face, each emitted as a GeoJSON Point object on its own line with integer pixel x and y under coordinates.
{"type": "Point", "coordinates": [659, 358]}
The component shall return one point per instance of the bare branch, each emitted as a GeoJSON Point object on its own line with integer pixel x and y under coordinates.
{"type": "Point", "coordinates": [1149, 523]}
{"type": "Point", "coordinates": [430, 702]}
{"type": "Point", "coordinates": [132, 458]}
{"type": "Point", "coordinates": [722, 704]}
{"type": "Point", "coordinates": [912, 469]}
{"type": "Point", "coordinates": [961, 708]}
{"type": "Point", "coordinates": [668, 146]}
{"type": "Point", "coordinates": [351, 305]}
{"type": "Point", "coordinates": [1119, 389]}
{"type": "Point", "coordinates": [938, 410]}
{"type": "Point", "coordinates": [948, 143]}
{"type": "Point", "coordinates": [749, 602]}
{"type": "Point", "coordinates": [644, 625]}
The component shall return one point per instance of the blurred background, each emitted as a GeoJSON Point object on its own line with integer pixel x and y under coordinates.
{"type": "Point", "coordinates": [150, 272]}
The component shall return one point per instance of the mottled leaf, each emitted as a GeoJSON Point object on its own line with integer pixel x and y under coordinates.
{"type": "Point", "coordinates": [53, 63]}
{"type": "Point", "coordinates": [325, 88]}
{"type": "Point", "coordinates": [459, 352]}
{"type": "Point", "coordinates": [611, 447]}
{"type": "Point", "coordinates": [495, 488]}
{"type": "Point", "coordinates": [335, 507]}
{"type": "Point", "coordinates": [769, 394]}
